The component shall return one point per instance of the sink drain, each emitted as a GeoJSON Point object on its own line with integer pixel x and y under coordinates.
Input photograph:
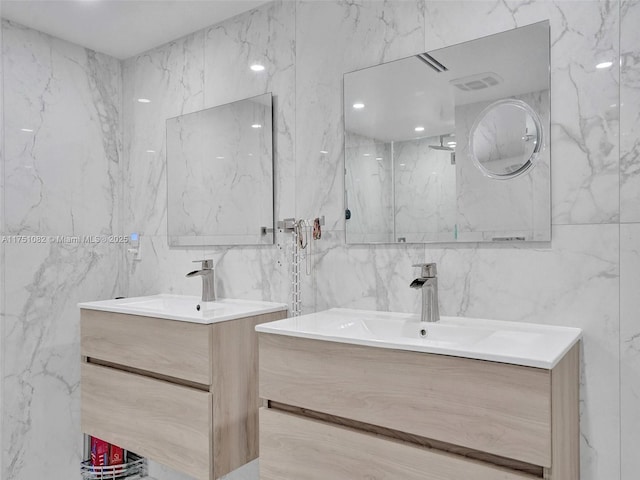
{"type": "Point", "coordinates": [423, 332]}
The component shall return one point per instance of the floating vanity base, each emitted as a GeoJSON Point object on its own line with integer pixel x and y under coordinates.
{"type": "Point", "coordinates": [183, 394]}
{"type": "Point", "coordinates": [343, 411]}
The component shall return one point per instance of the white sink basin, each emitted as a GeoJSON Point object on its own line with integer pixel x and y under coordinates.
{"type": "Point", "coordinates": [185, 308]}
{"type": "Point", "coordinates": [517, 343]}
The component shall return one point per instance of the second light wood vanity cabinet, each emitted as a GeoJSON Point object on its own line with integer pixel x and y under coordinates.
{"type": "Point", "coordinates": [347, 412]}
{"type": "Point", "coordinates": [180, 393]}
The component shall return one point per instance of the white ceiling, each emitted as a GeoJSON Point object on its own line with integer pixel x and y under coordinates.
{"type": "Point", "coordinates": [122, 28]}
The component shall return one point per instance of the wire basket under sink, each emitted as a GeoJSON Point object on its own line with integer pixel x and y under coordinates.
{"type": "Point", "coordinates": [134, 468]}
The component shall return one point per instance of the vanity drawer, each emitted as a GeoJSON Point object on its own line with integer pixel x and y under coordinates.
{"type": "Point", "coordinates": [294, 447]}
{"type": "Point", "coordinates": [176, 349]}
{"type": "Point", "coordinates": [490, 407]}
{"type": "Point", "coordinates": [168, 423]}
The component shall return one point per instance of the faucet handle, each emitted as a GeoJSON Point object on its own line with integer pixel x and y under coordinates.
{"type": "Point", "coordinates": [206, 263]}
{"type": "Point", "coordinates": [428, 270]}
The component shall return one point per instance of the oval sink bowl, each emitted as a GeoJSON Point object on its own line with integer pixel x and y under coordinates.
{"type": "Point", "coordinates": [185, 308]}
{"type": "Point", "coordinates": [517, 343]}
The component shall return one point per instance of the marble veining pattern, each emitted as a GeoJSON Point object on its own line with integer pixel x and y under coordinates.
{"type": "Point", "coordinates": [630, 236]}
{"type": "Point", "coordinates": [630, 111]}
{"type": "Point", "coordinates": [41, 351]}
{"type": "Point", "coordinates": [629, 348]}
{"type": "Point", "coordinates": [60, 178]}
{"type": "Point", "coordinates": [361, 276]}
{"type": "Point", "coordinates": [171, 78]}
{"type": "Point", "coordinates": [62, 137]}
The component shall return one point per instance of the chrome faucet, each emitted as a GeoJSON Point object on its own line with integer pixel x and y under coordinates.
{"type": "Point", "coordinates": [208, 286]}
{"type": "Point", "coordinates": [428, 282]}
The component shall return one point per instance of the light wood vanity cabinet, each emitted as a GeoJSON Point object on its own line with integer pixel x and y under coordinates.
{"type": "Point", "coordinates": [182, 394]}
{"type": "Point", "coordinates": [348, 412]}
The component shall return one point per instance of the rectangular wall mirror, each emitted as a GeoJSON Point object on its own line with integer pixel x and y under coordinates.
{"type": "Point", "coordinates": [451, 145]}
{"type": "Point", "coordinates": [220, 175]}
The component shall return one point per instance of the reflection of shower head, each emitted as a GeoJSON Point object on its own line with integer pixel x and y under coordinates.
{"type": "Point", "coordinates": [441, 146]}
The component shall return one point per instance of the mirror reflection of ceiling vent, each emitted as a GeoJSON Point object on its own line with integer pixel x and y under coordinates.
{"type": "Point", "coordinates": [477, 81]}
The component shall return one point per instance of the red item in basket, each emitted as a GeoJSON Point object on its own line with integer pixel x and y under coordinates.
{"type": "Point", "coordinates": [116, 455]}
{"type": "Point", "coordinates": [99, 452]}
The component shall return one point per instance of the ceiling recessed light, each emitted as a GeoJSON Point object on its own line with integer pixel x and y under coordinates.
{"type": "Point", "coordinates": [151, 151]}
{"type": "Point", "coordinates": [604, 65]}
{"type": "Point", "coordinates": [378, 158]}
{"type": "Point", "coordinates": [256, 67]}
{"type": "Point", "coordinates": [144, 100]}
{"type": "Point", "coordinates": [402, 164]}
{"type": "Point", "coordinates": [358, 105]}
{"type": "Point", "coordinates": [451, 144]}
{"type": "Point", "coordinates": [28, 130]}
{"type": "Point", "coordinates": [256, 125]}
{"type": "Point", "coordinates": [324, 152]}
{"type": "Point", "coordinates": [366, 154]}
{"type": "Point", "coordinates": [219, 157]}
{"type": "Point", "coordinates": [419, 129]}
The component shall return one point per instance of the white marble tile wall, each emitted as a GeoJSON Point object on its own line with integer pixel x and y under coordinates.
{"type": "Point", "coordinates": [630, 111]}
{"type": "Point", "coordinates": [630, 236]}
{"type": "Point", "coordinates": [630, 348]}
{"type": "Point", "coordinates": [61, 173]}
{"type": "Point", "coordinates": [575, 279]}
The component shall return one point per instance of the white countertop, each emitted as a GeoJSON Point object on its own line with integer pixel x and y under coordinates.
{"type": "Point", "coordinates": [527, 344]}
{"type": "Point", "coordinates": [185, 308]}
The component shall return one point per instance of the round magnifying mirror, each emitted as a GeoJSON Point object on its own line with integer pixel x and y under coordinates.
{"type": "Point", "coordinates": [505, 139]}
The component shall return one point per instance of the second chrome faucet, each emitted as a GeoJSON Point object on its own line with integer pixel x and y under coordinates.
{"type": "Point", "coordinates": [208, 281]}
{"type": "Point", "coordinates": [428, 282]}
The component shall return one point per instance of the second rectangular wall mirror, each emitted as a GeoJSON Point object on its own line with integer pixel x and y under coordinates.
{"type": "Point", "coordinates": [451, 145]}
